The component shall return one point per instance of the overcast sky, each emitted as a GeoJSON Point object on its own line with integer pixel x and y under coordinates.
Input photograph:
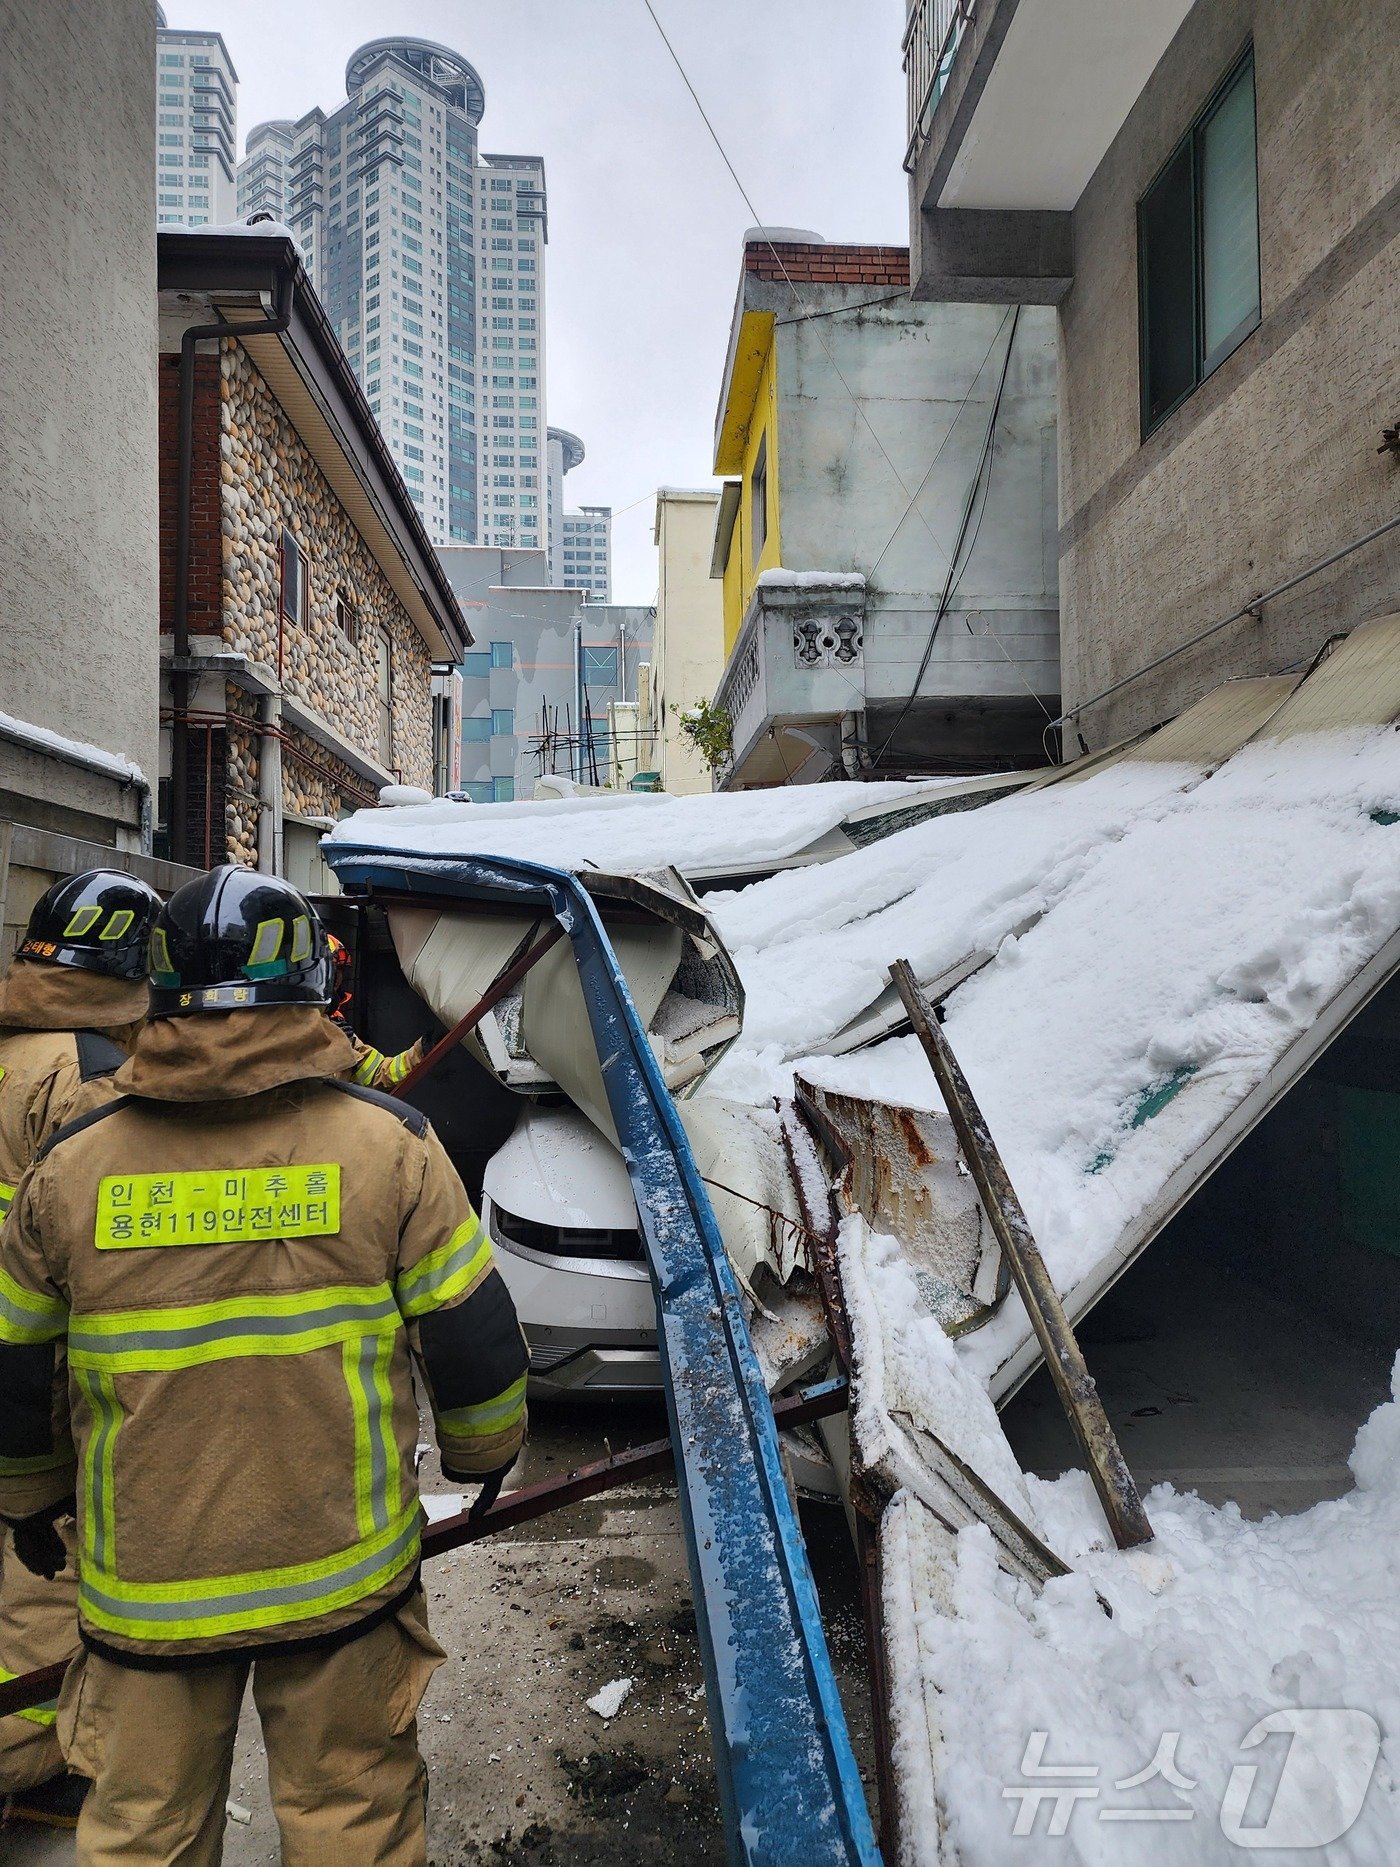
{"type": "Point", "coordinates": [645, 223]}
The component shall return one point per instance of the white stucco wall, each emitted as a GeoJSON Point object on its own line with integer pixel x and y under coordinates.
{"type": "Point", "coordinates": [78, 516]}
{"type": "Point", "coordinates": [688, 654]}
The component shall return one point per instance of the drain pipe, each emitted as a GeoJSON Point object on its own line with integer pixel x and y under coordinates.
{"type": "Point", "coordinates": [270, 857]}
{"type": "Point", "coordinates": [284, 287]}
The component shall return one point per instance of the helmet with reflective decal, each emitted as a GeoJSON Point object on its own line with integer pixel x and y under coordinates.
{"type": "Point", "coordinates": [99, 921]}
{"type": "Point", "coordinates": [235, 940]}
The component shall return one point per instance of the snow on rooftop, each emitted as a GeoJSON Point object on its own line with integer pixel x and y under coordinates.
{"type": "Point", "coordinates": [624, 831]}
{"type": "Point", "coordinates": [257, 229]}
{"type": "Point", "coordinates": [79, 751]}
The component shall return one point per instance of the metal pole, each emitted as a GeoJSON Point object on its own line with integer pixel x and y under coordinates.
{"type": "Point", "coordinates": [523, 1506]}
{"type": "Point", "coordinates": [1073, 1382]}
{"type": "Point", "coordinates": [510, 977]}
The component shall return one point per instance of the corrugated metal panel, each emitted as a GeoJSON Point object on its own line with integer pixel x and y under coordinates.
{"type": "Point", "coordinates": [1357, 685]}
{"type": "Point", "coordinates": [1207, 733]}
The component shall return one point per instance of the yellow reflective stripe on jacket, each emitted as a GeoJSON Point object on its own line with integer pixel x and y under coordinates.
{"type": "Point", "coordinates": [445, 1272]}
{"type": "Point", "coordinates": [378, 1486]}
{"type": "Point", "coordinates": [364, 1321]}
{"type": "Point", "coordinates": [214, 1607]}
{"type": "Point", "coordinates": [489, 1416]}
{"type": "Point", "coordinates": [7, 1193]}
{"type": "Point", "coordinates": [149, 1340]}
{"type": "Point", "coordinates": [41, 1462]}
{"type": "Point", "coordinates": [99, 1535]}
{"type": "Point", "coordinates": [399, 1066]}
{"type": "Point", "coordinates": [36, 1714]}
{"type": "Point", "coordinates": [367, 1068]}
{"type": "Point", "coordinates": [28, 1316]}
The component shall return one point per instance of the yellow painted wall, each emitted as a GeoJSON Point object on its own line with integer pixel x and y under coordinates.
{"type": "Point", "coordinates": [743, 568]}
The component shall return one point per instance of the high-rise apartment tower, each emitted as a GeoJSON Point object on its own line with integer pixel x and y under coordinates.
{"type": "Point", "coordinates": [429, 256]}
{"type": "Point", "coordinates": [196, 127]}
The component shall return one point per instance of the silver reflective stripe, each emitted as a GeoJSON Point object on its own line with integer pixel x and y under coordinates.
{"type": "Point", "coordinates": [284, 1595]}
{"type": "Point", "coordinates": [229, 1328]}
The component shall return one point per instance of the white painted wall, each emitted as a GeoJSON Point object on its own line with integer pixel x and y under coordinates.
{"type": "Point", "coordinates": [79, 578]}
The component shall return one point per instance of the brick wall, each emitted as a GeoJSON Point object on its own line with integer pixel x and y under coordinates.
{"type": "Point", "coordinates": [206, 576]}
{"type": "Point", "coordinates": [829, 265]}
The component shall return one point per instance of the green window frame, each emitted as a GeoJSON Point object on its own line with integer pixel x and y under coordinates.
{"type": "Point", "coordinates": [1198, 249]}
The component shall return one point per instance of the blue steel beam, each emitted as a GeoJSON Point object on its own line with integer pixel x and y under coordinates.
{"type": "Point", "coordinates": [789, 1785]}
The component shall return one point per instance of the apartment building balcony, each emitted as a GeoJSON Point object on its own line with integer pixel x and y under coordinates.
{"type": "Point", "coordinates": [1012, 105]}
{"type": "Point", "coordinates": [822, 672]}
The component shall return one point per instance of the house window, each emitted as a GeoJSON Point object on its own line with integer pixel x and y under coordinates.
{"type": "Point", "coordinates": [600, 667]}
{"type": "Point", "coordinates": [385, 692]}
{"type": "Point", "coordinates": [1198, 250]}
{"type": "Point", "coordinates": [347, 618]}
{"type": "Point", "coordinates": [502, 721]}
{"type": "Point", "coordinates": [295, 583]}
{"type": "Point", "coordinates": [759, 497]}
{"type": "Point", "coordinates": [502, 654]}
{"type": "Point", "coordinates": [503, 790]}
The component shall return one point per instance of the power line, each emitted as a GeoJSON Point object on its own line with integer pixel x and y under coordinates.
{"type": "Point", "coordinates": [808, 315]}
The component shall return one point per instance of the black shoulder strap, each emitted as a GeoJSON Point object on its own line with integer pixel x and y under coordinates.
{"type": "Point", "coordinates": [79, 1122]}
{"type": "Point", "coordinates": [413, 1119]}
{"type": "Point", "coordinates": [97, 1055]}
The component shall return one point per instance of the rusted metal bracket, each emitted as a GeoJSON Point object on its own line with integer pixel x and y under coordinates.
{"type": "Point", "coordinates": [510, 978]}
{"type": "Point", "coordinates": [1118, 1493]}
{"type": "Point", "coordinates": [523, 1506]}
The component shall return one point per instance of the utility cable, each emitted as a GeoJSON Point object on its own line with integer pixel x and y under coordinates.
{"type": "Point", "coordinates": [808, 315]}
{"type": "Point", "coordinates": [948, 582]}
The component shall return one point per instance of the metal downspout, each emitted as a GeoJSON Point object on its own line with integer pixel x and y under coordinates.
{"type": "Point", "coordinates": [284, 287]}
{"type": "Point", "coordinates": [270, 852]}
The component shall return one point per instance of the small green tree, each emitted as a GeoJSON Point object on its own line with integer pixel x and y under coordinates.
{"type": "Point", "coordinates": [710, 730]}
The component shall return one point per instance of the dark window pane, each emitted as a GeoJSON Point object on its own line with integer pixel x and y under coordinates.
{"type": "Point", "coordinates": [1168, 288]}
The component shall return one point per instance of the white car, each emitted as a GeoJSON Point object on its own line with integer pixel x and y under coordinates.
{"type": "Point", "coordinates": [558, 1204]}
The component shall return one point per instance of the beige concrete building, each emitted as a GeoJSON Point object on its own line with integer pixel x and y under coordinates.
{"type": "Point", "coordinates": [1213, 204]}
{"type": "Point", "coordinates": [78, 560]}
{"type": "Point", "coordinates": [688, 648]}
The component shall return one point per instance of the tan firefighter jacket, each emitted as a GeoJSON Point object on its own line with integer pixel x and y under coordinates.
{"type": "Point", "coordinates": [242, 1283]}
{"type": "Point", "coordinates": [374, 1070]}
{"type": "Point", "coordinates": [63, 1031]}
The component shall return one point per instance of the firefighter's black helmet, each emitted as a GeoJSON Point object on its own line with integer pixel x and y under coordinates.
{"type": "Point", "coordinates": [235, 940]}
{"type": "Point", "coordinates": [99, 921]}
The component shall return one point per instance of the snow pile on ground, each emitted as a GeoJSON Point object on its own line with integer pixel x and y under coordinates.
{"type": "Point", "coordinates": [1219, 1625]}
{"type": "Point", "coordinates": [1176, 933]}
{"type": "Point", "coordinates": [624, 831]}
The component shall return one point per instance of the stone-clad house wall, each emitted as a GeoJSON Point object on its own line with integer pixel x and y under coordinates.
{"type": "Point", "coordinates": [252, 475]}
{"type": "Point", "coordinates": [271, 481]}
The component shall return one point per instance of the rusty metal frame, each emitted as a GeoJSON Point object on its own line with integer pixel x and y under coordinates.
{"type": "Point", "coordinates": [1118, 1492]}
{"type": "Point", "coordinates": [510, 978]}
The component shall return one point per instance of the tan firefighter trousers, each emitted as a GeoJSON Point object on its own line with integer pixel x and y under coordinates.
{"type": "Point", "coordinates": [346, 1780]}
{"type": "Point", "coordinates": [38, 1627]}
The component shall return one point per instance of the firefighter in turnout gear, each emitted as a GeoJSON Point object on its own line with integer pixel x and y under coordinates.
{"type": "Point", "coordinates": [70, 1006]}
{"type": "Point", "coordinates": [372, 1068]}
{"type": "Point", "coordinates": [246, 1256]}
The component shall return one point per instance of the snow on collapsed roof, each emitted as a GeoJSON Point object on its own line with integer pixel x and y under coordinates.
{"type": "Point", "coordinates": [1223, 1632]}
{"type": "Point", "coordinates": [1177, 931]}
{"type": "Point", "coordinates": [624, 831]}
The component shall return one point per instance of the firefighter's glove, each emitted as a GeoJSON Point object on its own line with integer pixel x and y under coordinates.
{"type": "Point", "coordinates": [37, 1542]}
{"type": "Point", "coordinates": [490, 1483]}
